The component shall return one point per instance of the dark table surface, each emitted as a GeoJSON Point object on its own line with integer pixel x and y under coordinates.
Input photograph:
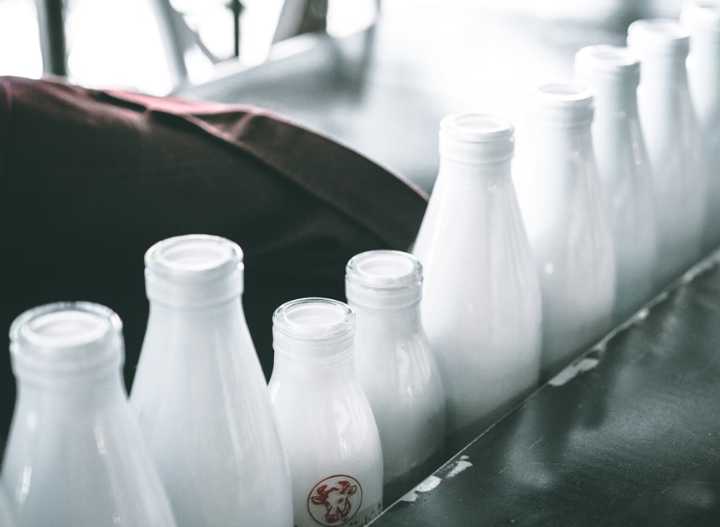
{"type": "Point", "coordinates": [627, 435]}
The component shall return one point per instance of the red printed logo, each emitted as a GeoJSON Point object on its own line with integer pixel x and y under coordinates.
{"type": "Point", "coordinates": [335, 500]}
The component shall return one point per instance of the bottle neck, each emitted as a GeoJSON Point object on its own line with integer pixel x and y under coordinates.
{"type": "Point", "coordinates": [560, 155]}
{"type": "Point", "coordinates": [79, 395]}
{"type": "Point", "coordinates": [704, 78]}
{"type": "Point", "coordinates": [705, 50]}
{"type": "Point", "coordinates": [293, 366]}
{"type": "Point", "coordinates": [664, 98]}
{"type": "Point", "coordinates": [473, 174]}
{"type": "Point", "coordinates": [194, 336]}
{"type": "Point", "coordinates": [663, 72]}
{"type": "Point", "coordinates": [553, 140]}
{"type": "Point", "coordinates": [394, 323]}
{"type": "Point", "coordinates": [615, 99]}
{"type": "Point", "coordinates": [313, 341]}
{"type": "Point", "coordinates": [228, 312]}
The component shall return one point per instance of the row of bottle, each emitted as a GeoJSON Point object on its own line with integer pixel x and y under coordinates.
{"type": "Point", "coordinates": [618, 194]}
{"type": "Point", "coordinates": [203, 440]}
{"type": "Point", "coordinates": [224, 450]}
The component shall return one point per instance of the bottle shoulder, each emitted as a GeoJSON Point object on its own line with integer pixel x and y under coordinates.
{"type": "Point", "coordinates": [399, 372]}
{"type": "Point", "coordinates": [94, 470]}
{"type": "Point", "coordinates": [328, 406]}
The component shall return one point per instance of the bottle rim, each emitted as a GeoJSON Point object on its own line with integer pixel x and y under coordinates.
{"type": "Point", "coordinates": [66, 337]}
{"type": "Point", "coordinates": [193, 257]}
{"type": "Point", "coordinates": [565, 103]}
{"type": "Point", "coordinates": [194, 270]}
{"type": "Point", "coordinates": [314, 319]}
{"type": "Point", "coordinates": [383, 279]}
{"type": "Point", "coordinates": [476, 127]}
{"type": "Point", "coordinates": [701, 16]}
{"type": "Point", "coordinates": [612, 61]}
{"type": "Point", "coordinates": [384, 269]}
{"type": "Point", "coordinates": [658, 37]}
{"type": "Point", "coordinates": [476, 138]}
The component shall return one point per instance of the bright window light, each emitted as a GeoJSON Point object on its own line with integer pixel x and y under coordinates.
{"type": "Point", "coordinates": [19, 43]}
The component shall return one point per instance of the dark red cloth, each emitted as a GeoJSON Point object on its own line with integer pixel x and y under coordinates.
{"type": "Point", "coordinates": [90, 179]}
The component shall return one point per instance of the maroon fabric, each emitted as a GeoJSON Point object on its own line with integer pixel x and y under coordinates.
{"type": "Point", "coordinates": [90, 179]}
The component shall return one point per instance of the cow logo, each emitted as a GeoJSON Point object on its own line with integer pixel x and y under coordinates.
{"type": "Point", "coordinates": [335, 500]}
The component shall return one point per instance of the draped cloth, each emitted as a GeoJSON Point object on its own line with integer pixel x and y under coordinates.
{"type": "Point", "coordinates": [90, 179]}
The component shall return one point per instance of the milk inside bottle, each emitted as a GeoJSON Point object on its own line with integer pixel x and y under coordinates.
{"type": "Point", "coordinates": [481, 299]}
{"type": "Point", "coordinates": [75, 455]}
{"type": "Point", "coordinates": [624, 169]}
{"type": "Point", "coordinates": [393, 360]}
{"type": "Point", "coordinates": [325, 421]}
{"type": "Point", "coordinates": [702, 20]}
{"type": "Point", "coordinates": [565, 215]}
{"type": "Point", "coordinates": [6, 516]}
{"type": "Point", "coordinates": [674, 144]}
{"type": "Point", "coordinates": [200, 395]}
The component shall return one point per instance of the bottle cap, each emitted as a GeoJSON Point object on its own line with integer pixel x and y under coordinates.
{"type": "Point", "coordinates": [476, 138]}
{"type": "Point", "coordinates": [700, 16]}
{"type": "Point", "coordinates": [383, 279]}
{"type": "Point", "coordinates": [564, 104]}
{"type": "Point", "coordinates": [658, 37]}
{"type": "Point", "coordinates": [607, 63]}
{"type": "Point", "coordinates": [313, 327]}
{"type": "Point", "coordinates": [65, 338]}
{"type": "Point", "coordinates": [195, 270]}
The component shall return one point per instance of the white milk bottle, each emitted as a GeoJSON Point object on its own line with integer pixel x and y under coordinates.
{"type": "Point", "coordinates": [6, 516]}
{"type": "Point", "coordinates": [565, 218]}
{"type": "Point", "coordinates": [673, 141]}
{"type": "Point", "coordinates": [702, 20]}
{"type": "Point", "coordinates": [393, 360]}
{"type": "Point", "coordinates": [75, 455]}
{"type": "Point", "coordinates": [481, 305]}
{"type": "Point", "coordinates": [200, 395]}
{"type": "Point", "coordinates": [613, 74]}
{"type": "Point", "coordinates": [326, 423]}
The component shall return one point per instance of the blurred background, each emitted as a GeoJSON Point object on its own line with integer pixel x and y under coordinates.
{"type": "Point", "coordinates": [376, 75]}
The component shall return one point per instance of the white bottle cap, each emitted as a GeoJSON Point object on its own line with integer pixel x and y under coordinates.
{"type": "Point", "coordinates": [614, 63]}
{"type": "Point", "coordinates": [701, 16]}
{"type": "Point", "coordinates": [313, 328]}
{"type": "Point", "coordinates": [195, 270]}
{"type": "Point", "coordinates": [476, 138]}
{"type": "Point", "coordinates": [564, 104]}
{"type": "Point", "coordinates": [64, 338]}
{"type": "Point", "coordinates": [658, 37]}
{"type": "Point", "coordinates": [383, 279]}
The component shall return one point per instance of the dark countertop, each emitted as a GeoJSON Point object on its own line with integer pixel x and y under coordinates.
{"type": "Point", "coordinates": [632, 439]}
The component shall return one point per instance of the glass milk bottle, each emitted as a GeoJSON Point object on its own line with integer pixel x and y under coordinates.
{"type": "Point", "coordinates": [624, 169]}
{"type": "Point", "coordinates": [481, 303]}
{"type": "Point", "coordinates": [199, 392]}
{"type": "Point", "coordinates": [393, 360]}
{"type": "Point", "coordinates": [75, 456]}
{"type": "Point", "coordinates": [326, 423]}
{"type": "Point", "coordinates": [6, 517]}
{"type": "Point", "coordinates": [565, 217]}
{"type": "Point", "coordinates": [702, 20]}
{"type": "Point", "coordinates": [673, 142]}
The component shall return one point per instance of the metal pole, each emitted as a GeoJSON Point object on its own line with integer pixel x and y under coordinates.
{"type": "Point", "coordinates": [237, 8]}
{"type": "Point", "coordinates": [52, 36]}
